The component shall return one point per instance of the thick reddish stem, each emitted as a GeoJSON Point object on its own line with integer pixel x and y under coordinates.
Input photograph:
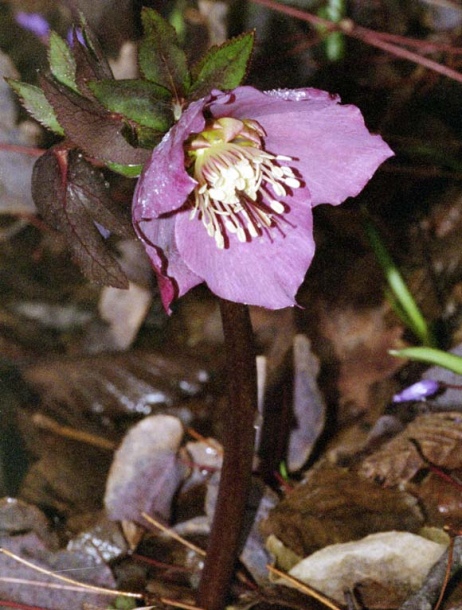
{"type": "Point", "coordinates": [238, 444]}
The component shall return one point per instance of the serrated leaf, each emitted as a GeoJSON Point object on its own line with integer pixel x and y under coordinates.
{"type": "Point", "coordinates": [139, 100]}
{"type": "Point", "coordinates": [90, 127]}
{"type": "Point", "coordinates": [161, 59]}
{"type": "Point", "coordinates": [72, 196]}
{"type": "Point", "coordinates": [34, 101]}
{"type": "Point", "coordinates": [62, 62]}
{"type": "Point", "coordinates": [223, 67]}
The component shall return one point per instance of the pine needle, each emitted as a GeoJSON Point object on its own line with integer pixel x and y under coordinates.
{"type": "Point", "coordinates": [305, 588]}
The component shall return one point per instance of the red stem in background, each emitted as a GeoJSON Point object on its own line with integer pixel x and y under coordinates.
{"type": "Point", "coordinates": [238, 444]}
{"type": "Point", "coordinates": [370, 37]}
{"type": "Point", "coordinates": [24, 150]}
{"type": "Point", "coordinates": [8, 604]}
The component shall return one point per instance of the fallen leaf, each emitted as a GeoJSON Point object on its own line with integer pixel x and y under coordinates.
{"type": "Point", "coordinates": [124, 311]}
{"type": "Point", "coordinates": [439, 436]}
{"type": "Point", "coordinates": [398, 560]}
{"type": "Point", "coordinates": [41, 590]}
{"type": "Point", "coordinates": [146, 471]}
{"type": "Point", "coordinates": [334, 505]}
{"type": "Point", "coordinates": [308, 404]}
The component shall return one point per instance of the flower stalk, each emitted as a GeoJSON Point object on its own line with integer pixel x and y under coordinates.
{"type": "Point", "coordinates": [238, 442]}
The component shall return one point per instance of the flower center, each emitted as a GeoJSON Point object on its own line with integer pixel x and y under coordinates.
{"type": "Point", "coordinates": [239, 183]}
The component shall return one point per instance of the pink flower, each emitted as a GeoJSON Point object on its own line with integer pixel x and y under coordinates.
{"type": "Point", "coordinates": [227, 196]}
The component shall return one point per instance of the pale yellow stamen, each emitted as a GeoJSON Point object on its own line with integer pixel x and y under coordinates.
{"type": "Point", "coordinates": [239, 183]}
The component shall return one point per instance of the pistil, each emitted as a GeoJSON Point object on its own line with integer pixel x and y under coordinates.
{"type": "Point", "coordinates": [239, 183]}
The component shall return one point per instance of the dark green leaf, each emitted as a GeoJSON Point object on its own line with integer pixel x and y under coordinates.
{"type": "Point", "coordinates": [146, 137]}
{"type": "Point", "coordinates": [139, 100]}
{"type": "Point", "coordinates": [129, 171]}
{"type": "Point", "coordinates": [34, 101]}
{"type": "Point", "coordinates": [62, 62]}
{"type": "Point", "coordinates": [90, 127]}
{"type": "Point", "coordinates": [72, 196]}
{"type": "Point", "coordinates": [223, 67]}
{"type": "Point", "coordinates": [161, 59]}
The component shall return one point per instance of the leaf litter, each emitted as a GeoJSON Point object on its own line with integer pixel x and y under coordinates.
{"type": "Point", "coordinates": [359, 465]}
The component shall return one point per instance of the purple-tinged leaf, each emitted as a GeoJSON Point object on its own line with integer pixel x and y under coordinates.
{"type": "Point", "coordinates": [93, 45]}
{"type": "Point", "coordinates": [87, 183]}
{"type": "Point", "coordinates": [161, 59]}
{"type": "Point", "coordinates": [88, 67]}
{"type": "Point", "coordinates": [71, 195]}
{"type": "Point", "coordinates": [418, 391]}
{"type": "Point", "coordinates": [223, 67]}
{"type": "Point", "coordinates": [90, 127]}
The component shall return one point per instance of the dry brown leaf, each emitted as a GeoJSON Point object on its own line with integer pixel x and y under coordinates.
{"type": "Point", "coordinates": [113, 386]}
{"type": "Point", "coordinates": [361, 340]}
{"type": "Point", "coordinates": [439, 436]}
{"type": "Point", "coordinates": [69, 476]}
{"type": "Point", "coordinates": [334, 505]}
{"type": "Point", "coordinates": [441, 500]}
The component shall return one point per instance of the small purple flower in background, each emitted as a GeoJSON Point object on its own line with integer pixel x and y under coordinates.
{"type": "Point", "coordinates": [425, 388]}
{"type": "Point", "coordinates": [227, 196]}
{"type": "Point", "coordinates": [35, 23]}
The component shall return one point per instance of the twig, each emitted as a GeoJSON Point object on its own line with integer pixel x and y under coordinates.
{"type": "Point", "coordinates": [304, 588]}
{"type": "Point", "coordinates": [47, 423]}
{"type": "Point", "coordinates": [447, 574]}
{"type": "Point", "coordinates": [208, 441]}
{"type": "Point", "coordinates": [71, 581]}
{"type": "Point", "coordinates": [41, 583]}
{"type": "Point", "coordinates": [36, 583]}
{"type": "Point", "coordinates": [370, 37]}
{"type": "Point", "coordinates": [425, 46]}
{"type": "Point", "coordinates": [172, 602]}
{"type": "Point", "coordinates": [174, 535]}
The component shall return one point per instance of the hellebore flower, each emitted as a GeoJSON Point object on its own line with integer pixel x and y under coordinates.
{"type": "Point", "coordinates": [227, 195]}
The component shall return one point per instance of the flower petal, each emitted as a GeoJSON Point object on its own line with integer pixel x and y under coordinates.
{"type": "Point", "coordinates": [174, 277]}
{"type": "Point", "coordinates": [265, 271]}
{"type": "Point", "coordinates": [335, 153]}
{"type": "Point", "coordinates": [164, 184]}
